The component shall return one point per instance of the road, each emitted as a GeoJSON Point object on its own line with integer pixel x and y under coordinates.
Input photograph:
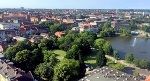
{"type": "Point", "coordinates": [131, 68]}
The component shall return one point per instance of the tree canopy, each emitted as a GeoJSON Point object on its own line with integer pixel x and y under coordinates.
{"type": "Point", "coordinates": [125, 32]}
{"type": "Point", "coordinates": [105, 45]}
{"type": "Point", "coordinates": [44, 71]}
{"type": "Point", "coordinates": [100, 58]}
{"type": "Point", "coordinates": [66, 70]}
{"type": "Point", "coordinates": [116, 55]}
{"type": "Point", "coordinates": [129, 57]}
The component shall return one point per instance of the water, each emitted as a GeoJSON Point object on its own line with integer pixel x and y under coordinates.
{"type": "Point", "coordinates": [134, 42]}
{"type": "Point", "coordinates": [131, 45]}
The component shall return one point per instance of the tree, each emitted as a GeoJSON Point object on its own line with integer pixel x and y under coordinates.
{"type": "Point", "coordinates": [116, 55]}
{"type": "Point", "coordinates": [100, 27]}
{"type": "Point", "coordinates": [99, 43]}
{"type": "Point", "coordinates": [37, 33]}
{"type": "Point", "coordinates": [101, 59]}
{"type": "Point", "coordinates": [82, 68]}
{"type": "Point", "coordinates": [66, 70]}
{"type": "Point", "coordinates": [47, 44]}
{"type": "Point", "coordinates": [47, 55]}
{"type": "Point", "coordinates": [137, 63]}
{"type": "Point", "coordinates": [73, 53]}
{"type": "Point", "coordinates": [12, 50]}
{"type": "Point", "coordinates": [82, 17]}
{"type": "Point", "coordinates": [146, 35]}
{"type": "Point", "coordinates": [119, 67]}
{"type": "Point", "coordinates": [107, 25]}
{"type": "Point", "coordinates": [136, 74]}
{"type": "Point", "coordinates": [108, 48]}
{"type": "Point", "coordinates": [9, 39]}
{"type": "Point", "coordinates": [129, 58]}
{"type": "Point", "coordinates": [125, 31]}
{"type": "Point", "coordinates": [144, 64]}
{"type": "Point", "coordinates": [22, 59]}
{"type": "Point", "coordinates": [105, 45]}
{"type": "Point", "coordinates": [44, 71]}
{"type": "Point", "coordinates": [55, 27]}
{"type": "Point", "coordinates": [36, 22]}
{"type": "Point", "coordinates": [36, 57]}
{"type": "Point", "coordinates": [53, 60]}
{"type": "Point", "coordinates": [133, 24]}
{"type": "Point", "coordinates": [89, 36]}
{"type": "Point", "coordinates": [28, 60]}
{"type": "Point", "coordinates": [103, 34]}
{"type": "Point", "coordinates": [22, 56]}
{"type": "Point", "coordinates": [84, 45]}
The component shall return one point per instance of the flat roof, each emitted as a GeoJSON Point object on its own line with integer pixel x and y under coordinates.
{"type": "Point", "coordinates": [108, 74]}
{"type": "Point", "coordinates": [20, 38]}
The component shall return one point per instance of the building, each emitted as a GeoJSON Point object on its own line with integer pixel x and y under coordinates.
{"type": "Point", "coordinates": [69, 21]}
{"type": "Point", "coordinates": [9, 25]}
{"type": "Point", "coordinates": [89, 28]}
{"type": "Point", "coordinates": [22, 8]}
{"type": "Point", "coordinates": [22, 17]}
{"type": "Point", "coordinates": [10, 73]}
{"type": "Point", "coordinates": [34, 19]}
{"type": "Point", "coordinates": [92, 26]}
{"type": "Point", "coordinates": [36, 38]}
{"type": "Point", "coordinates": [4, 45]}
{"type": "Point", "coordinates": [31, 29]}
{"type": "Point", "coordinates": [108, 74]}
{"type": "Point", "coordinates": [17, 38]}
{"type": "Point", "coordinates": [75, 29]}
{"type": "Point", "coordinates": [118, 25]}
{"type": "Point", "coordinates": [2, 35]}
{"type": "Point", "coordinates": [45, 35]}
{"type": "Point", "coordinates": [82, 24]}
{"type": "Point", "coordinates": [148, 78]}
{"type": "Point", "coordinates": [59, 34]}
{"type": "Point", "coordinates": [100, 22]}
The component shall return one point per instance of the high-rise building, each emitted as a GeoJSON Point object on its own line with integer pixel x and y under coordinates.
{"type": "Point", "coordinates": [22, 8]}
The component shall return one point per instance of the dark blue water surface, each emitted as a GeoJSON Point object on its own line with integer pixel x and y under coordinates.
{"type": "Point", "coordinates": [139, 47]}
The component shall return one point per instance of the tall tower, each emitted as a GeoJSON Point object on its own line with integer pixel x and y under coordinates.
{"type": "Point", "coordinates": [117, 12]}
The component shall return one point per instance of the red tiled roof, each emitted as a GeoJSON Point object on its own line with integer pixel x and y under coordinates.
{"type": "Point", "coordinates": [148, 78]}
{"type": "Point", "coordinates": [59, 34]}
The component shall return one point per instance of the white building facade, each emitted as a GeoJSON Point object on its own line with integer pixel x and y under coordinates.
{"type": "Point", "coordinates": [9, 25]}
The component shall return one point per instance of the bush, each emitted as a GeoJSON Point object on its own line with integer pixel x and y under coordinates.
{"type": "Point", "coordinates": [114, 65]}
{"type": "Point", "coordinates": [116, 55]}
{"type": "Point", "coordinates": [119, 67]}
{"type": "Point", "coordinates": [136, 74]}
{"type": "Point", "coordinates": [129, 58]}
{"type": "Point", "coordinates": [144, 64]}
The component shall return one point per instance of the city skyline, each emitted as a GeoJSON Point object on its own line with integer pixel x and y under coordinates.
{"type": "Point", "coordinates": [76, 4]}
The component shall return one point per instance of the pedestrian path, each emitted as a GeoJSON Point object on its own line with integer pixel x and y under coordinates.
{"type": "Point", "coordinates": [143, 72]}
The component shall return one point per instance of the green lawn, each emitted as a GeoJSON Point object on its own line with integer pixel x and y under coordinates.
{"type": "Point", "coordinates": [91, 59]}
{"type": "Point", "coordinates": [60, 53]}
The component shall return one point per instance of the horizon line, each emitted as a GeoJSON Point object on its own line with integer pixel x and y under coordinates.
{"type": "Point", "coordinates": [79, 8]}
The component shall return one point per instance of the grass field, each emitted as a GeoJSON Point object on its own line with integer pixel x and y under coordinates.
{"type": "Point", "coordinates": [91, 59]}
{"type": "Point", "coordinates": [60, 53]}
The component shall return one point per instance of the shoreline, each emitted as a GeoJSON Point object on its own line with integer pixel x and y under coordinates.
{"type": "Point", "coordinates": [141, 36]}
{"type": "Point", "coordinates": [144, 72]}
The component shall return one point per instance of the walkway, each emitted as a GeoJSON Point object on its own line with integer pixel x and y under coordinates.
{"type": "Point", "coordinates": [131, 68]}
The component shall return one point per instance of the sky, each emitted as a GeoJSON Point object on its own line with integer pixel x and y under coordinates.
{"type": "Point", "coordinates": [76, 4]}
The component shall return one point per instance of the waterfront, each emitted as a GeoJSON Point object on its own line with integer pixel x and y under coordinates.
{"type": "Point", "coordinates": [139, 47]}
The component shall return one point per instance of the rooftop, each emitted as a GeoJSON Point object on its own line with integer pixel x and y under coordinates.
{"type": "Point", "coordinates": [7, 70]}
{"type": "Point", "coordinates": [108, 74]}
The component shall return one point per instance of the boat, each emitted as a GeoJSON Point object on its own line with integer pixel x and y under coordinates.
{"type": "Point", "coordinates": [143, 51]}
